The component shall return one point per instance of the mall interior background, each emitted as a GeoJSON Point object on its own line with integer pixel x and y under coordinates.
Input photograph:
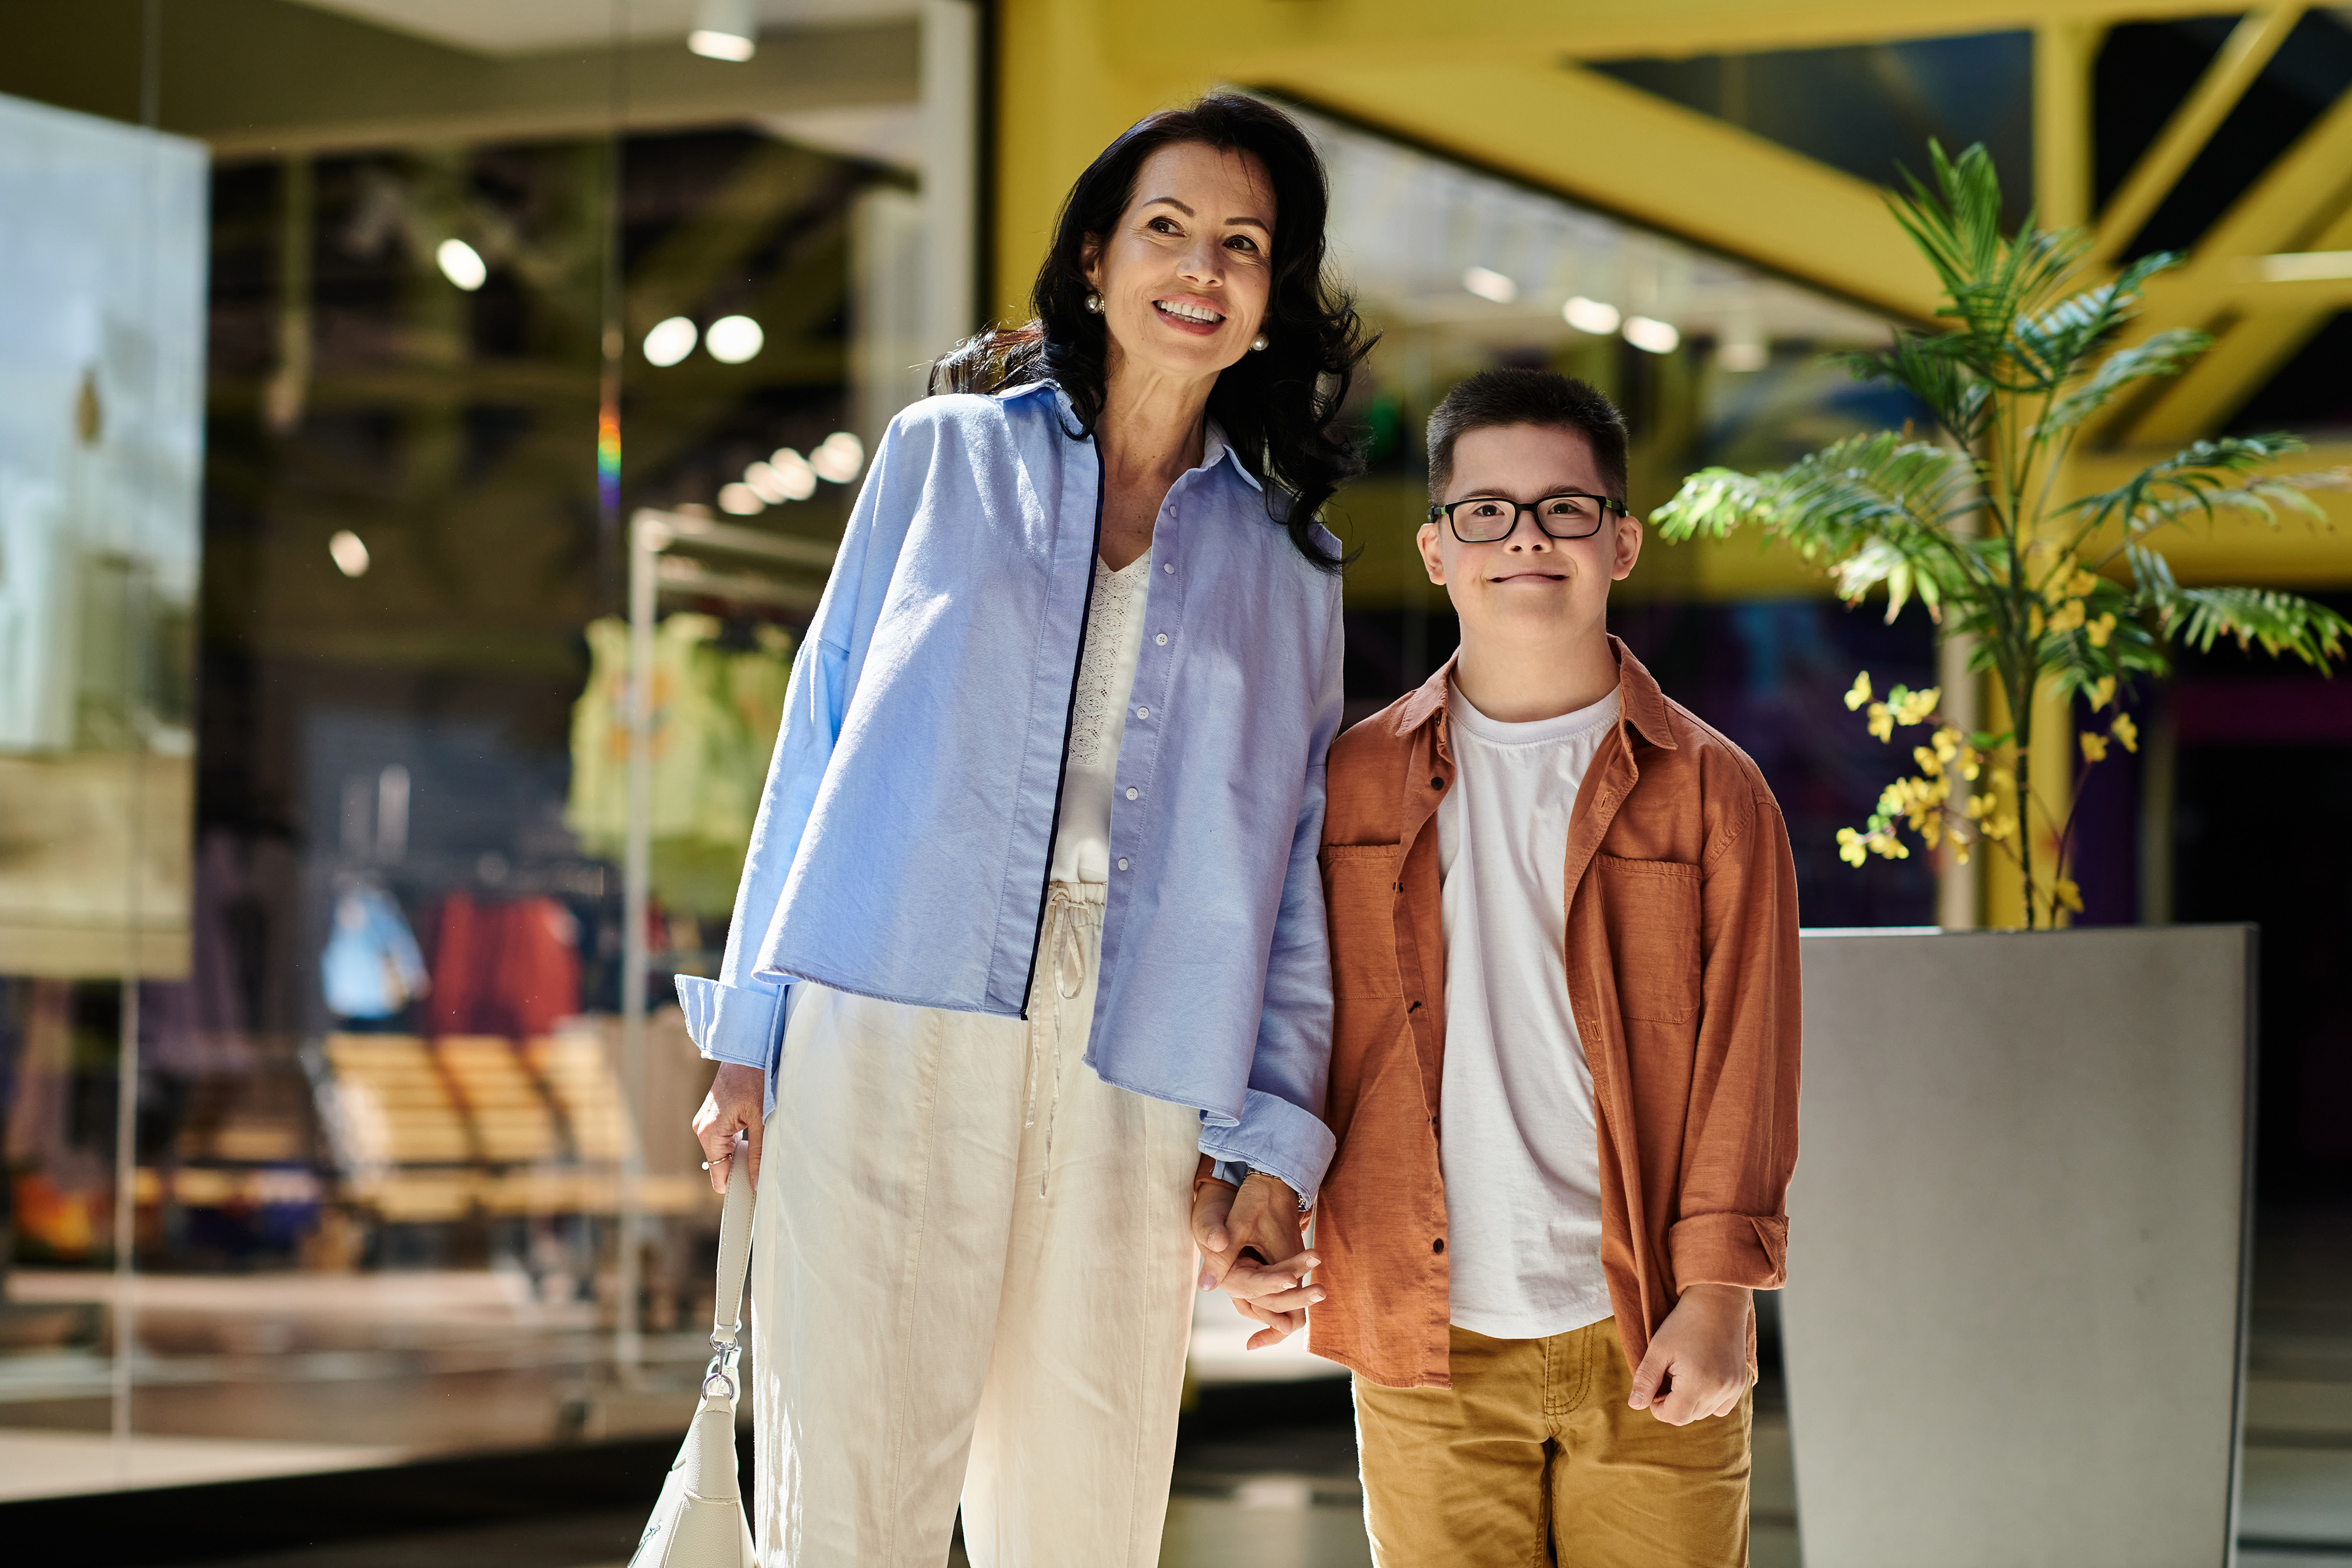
{"type": "Point", "coordinates": [364, 328]}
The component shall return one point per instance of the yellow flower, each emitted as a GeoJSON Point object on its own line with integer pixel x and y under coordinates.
{"type": "Point", "coordinates": [1948, 743]}
{"type": "Point", "coordinates": [2068, 616]}
{"type": "Point", "coordinates": [2080, 585]}
{"type": "Point", "coordinates": [2125, 730]}
{"type": "Point", "coordinates": [2103, 692]}
{"type": "Point", "coordinates": [1851, 848]}
{"type": "Point", "coordinates": [2099, 630]}
{"type": "Point", "coordinates": [1859, 692]}
{"type": "Point", "coordinates": [1929, 763]}
{"type": "Point", "coordinates": [1971, 763]}
{"type": "Point", "coordinates": [1916, 707]}
{"type": "Point", "coordinates": [1960, 849]}
{"type": "Point", "coordinates": [1882, 721]}
{"type": "Point", "coordinates": [2069, 895]}
{"type": "Point", "coordinates": [2095, 747]}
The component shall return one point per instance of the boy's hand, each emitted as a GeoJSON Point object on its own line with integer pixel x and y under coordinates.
{"type": "Point", "coordinates": [1700, 1353]}
{"type": "Point", "coordinates": [1262, 1218]}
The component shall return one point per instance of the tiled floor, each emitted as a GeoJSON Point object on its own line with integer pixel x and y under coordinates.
{"type": "Point", "coordinates": [348, 1388]}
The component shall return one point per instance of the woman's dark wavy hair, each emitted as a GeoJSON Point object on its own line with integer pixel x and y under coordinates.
{"type": "Point", "coordinates": [1279, 408]}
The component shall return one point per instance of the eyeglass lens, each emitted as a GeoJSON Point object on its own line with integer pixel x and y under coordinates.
{"type": "Point", "coordinates": [1483, 519]}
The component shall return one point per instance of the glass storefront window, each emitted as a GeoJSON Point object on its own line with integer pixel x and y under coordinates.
{"type": "Point", "coordinates": [317, 852]}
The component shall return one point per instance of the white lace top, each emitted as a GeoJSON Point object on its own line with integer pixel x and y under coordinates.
{"type": "Point", "coordinates": [1098, 720]}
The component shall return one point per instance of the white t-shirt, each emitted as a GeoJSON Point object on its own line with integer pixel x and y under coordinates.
{"type": "Point", "coordinates": [1518, 1143]}
{"type": "Point", "coordinates": [1098, 719]}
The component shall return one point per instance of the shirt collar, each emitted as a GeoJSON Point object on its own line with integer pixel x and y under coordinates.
{"type": "Point", "coordinates": [1642, 704]}
{"type": "Point", "coordinates": [1213, 450]}
{"type": "Point", "coordinates": [1217, 448]}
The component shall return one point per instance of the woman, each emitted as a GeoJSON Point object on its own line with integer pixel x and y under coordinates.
{"type": "Point", "coordinates": [1030, 931]}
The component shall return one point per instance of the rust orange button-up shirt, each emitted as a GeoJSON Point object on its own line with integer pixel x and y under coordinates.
{"type": "Point", "coordinates": [1682, 970]}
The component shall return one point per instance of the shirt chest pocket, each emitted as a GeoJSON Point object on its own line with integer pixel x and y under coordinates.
{"type": "Point", "coordinates": [1359, 890]}
{"type": "Point", "coordinates": [1651, 912]}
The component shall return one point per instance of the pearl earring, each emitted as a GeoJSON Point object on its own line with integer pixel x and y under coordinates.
{"type": "Point", "coordinates": [1093, 303]}
{"type": "Point", "coordinates": [1257, 344]}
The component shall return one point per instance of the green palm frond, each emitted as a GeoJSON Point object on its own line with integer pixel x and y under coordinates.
{"type": "Point", "coordinates": [2168, 353]}
{"type": "Point", "coordinates": [2280, 623]}
{"type": "Point", "coordinates": [2068, 592]}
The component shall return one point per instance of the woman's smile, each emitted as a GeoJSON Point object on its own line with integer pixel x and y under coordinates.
{"type": "Point", "coordinates": [1188, 313]}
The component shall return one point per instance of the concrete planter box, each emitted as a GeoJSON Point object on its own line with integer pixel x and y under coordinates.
{"type": "Point", "coordinates": [2015, 1320]}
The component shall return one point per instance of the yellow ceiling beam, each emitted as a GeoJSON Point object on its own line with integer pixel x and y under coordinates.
{"type": "Point", "coordinates": [1250, 37]}
{"type": "Point", "coordinates": [2267, 322]}
{"type": "Point", "coordinates": [1597, 140]}
{"type": "Point", "coordinates": [2063, 51]}
{"type": "Point", "coordinates": [2247, 50]}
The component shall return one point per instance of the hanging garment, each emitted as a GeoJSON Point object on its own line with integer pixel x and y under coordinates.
{"type": "Point", "coordinates": [372, 966]}
{"type": "Point", "coordinates": [715, 714]}
{"type": "Point", "coordinates": [511, 968]}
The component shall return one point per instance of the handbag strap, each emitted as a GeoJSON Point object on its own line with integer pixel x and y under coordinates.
{"type": "Point", "coordinates": [734, 1265]}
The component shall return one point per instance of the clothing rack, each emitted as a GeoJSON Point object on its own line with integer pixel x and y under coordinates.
{"type": "Point", "coordinates": [668, 556]}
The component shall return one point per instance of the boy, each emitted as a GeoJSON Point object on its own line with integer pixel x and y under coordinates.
{"type": "Point", "coordinates": [1564, 1070]}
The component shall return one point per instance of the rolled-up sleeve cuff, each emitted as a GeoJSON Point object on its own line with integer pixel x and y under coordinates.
{"type": "Point", "coordinates": [1749, 1249]}
{"type": "Point", "coordinates": [731, 1023]}
{"type": "Point", "coordinates": [1276, 1137]}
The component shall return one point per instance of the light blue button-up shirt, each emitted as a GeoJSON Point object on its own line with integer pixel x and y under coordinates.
{"type": "Point", "coordinates": [901, 847]}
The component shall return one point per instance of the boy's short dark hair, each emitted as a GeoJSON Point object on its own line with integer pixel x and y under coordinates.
{"type": "Point", "coordinates": [1545, 398]}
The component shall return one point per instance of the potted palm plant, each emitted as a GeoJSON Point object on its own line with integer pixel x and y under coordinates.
{"type": "Point", "coordinates": [2013, 1326]}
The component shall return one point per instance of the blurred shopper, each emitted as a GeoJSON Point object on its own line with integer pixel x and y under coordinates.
{"type": "Point", "coordinates": [1031, 930]}
{"type": "Point", "coordinates": [1564, 1077]}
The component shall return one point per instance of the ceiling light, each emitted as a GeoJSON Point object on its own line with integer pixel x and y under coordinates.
{"type": "Point", "coordinates": [839, 458]}
{"type": "Point", "coordinates": [1488, 284]}
{"type": "Point", "coordinates": [724, 30]}
{"type": "Point", "coordinates": [1650, 335]}
{"type": "Point", "coordinates": [1590, 316]}
{"type": "Point", "coordinates": [732, 339]}
{"type": "Point", "coordinates": [795, 472]}
{"type": "Point", "coordinates": [1743, 354]}
{"type": "Point", "coordinates": [462, 265]}
{"type": "Point", "coordinates": [670, 340]}
{"type": "Point", "coordinates": [740, 500]}
{"type": "Point", "coordinates": [2304, 266]}
{"type": "Point", "coordinates": [766, 483]}
{"type": "Point", "coordinates": [350, 551]}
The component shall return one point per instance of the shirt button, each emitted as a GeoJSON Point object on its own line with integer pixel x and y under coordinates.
{"type": "Point", "coordinates": [1161, 638]}
{"type": "Point", "coordinates": [1437, 783]}
{"type": "Point", "coordinates": [1168, 566]}
{"type": "Point", "coordinates": [1143, 713]}
{"type": "Point", "coordinates": [1438, 1245]}
{"type": "Point", "coordinates": [1132, 793]}
{"type": "Point", "coordinates": [1123, 866]}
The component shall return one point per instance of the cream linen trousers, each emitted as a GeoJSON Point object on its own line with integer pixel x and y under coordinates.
{"type": "Point", "coordinates": [971, 1275]}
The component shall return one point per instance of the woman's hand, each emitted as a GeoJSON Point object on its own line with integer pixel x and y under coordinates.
{"type": "Point", "coordinates": [1702, 1345]}
{"type": "Point", "coordinates": [736, 1104]}
{"type": "Point", "coordinates": [1251, 1247]}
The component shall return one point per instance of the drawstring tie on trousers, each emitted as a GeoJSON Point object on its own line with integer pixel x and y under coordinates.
{"type": "Point", "coordinates": [1065, 937]}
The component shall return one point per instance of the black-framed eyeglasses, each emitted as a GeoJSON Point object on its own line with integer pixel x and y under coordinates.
{"type": "Point", "coordinates": [1564, 515]}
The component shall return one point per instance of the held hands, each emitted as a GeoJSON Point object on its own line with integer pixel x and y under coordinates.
{"type": "Point", "coordinates": [1262, 1219]}
{"type": "Point", "coordinates": [736, 1104]}
{"type": "Point", "coordinates": [1700, 1354]}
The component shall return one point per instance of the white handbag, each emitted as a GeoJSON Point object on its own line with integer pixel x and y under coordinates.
{"type": "Point", "coordinates": [699, 1522]}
